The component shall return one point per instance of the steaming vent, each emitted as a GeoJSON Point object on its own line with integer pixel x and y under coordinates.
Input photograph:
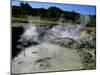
{"type": "Point", "coordinates": [37, 34]}
{"type": "Point", "coordinates": [66, 32]}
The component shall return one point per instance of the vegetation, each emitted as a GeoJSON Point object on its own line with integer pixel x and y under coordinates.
{"type": "Point", "coordinates": [50, 15]}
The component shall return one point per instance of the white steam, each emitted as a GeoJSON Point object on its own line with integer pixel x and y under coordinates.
{"type": "Point", "coordinates": [84, 19]}
{"type": "Point", "coordinates": [62, 31]}
{"type": "Point", "coordinates": [32, 32]}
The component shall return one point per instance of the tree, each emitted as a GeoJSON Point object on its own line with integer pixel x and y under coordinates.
{"type": "Point", "coordinates": [26, 9]}
{"type": "Point", "coordinates": [54, 13]}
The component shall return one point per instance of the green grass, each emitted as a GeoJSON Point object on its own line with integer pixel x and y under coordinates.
{"type": "Point", "coordinates": [34, 20]}
{"type": "Point", "coordinates": [37, 20]}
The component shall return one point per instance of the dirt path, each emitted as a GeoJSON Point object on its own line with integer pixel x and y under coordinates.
{"type": "Point", "coordinates": [46, 57]}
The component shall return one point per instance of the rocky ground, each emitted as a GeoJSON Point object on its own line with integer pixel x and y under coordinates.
{"type": "Point", "coordinates": [46, 57]}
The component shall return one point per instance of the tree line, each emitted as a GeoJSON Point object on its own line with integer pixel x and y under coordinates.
{"type": "Point", "coordinates": [52, 13]}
